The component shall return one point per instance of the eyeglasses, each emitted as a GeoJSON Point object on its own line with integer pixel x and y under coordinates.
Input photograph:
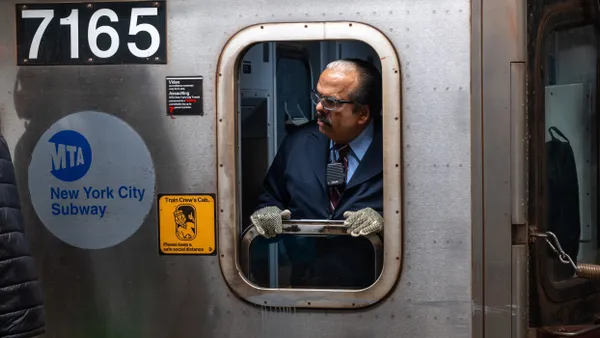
{"type": "Point", "coordinates": [329, 103]}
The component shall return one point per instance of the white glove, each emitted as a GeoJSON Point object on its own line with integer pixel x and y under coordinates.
{"type": "Point", "coordinates": [363, 222]}
{"type": "Point", "coordinates": [268, 220]}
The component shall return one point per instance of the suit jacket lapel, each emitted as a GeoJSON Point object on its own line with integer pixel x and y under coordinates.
{"type": "Point", "coordinates": [372, 163]}
{"type": "Point", "coordinates": [317, 146]}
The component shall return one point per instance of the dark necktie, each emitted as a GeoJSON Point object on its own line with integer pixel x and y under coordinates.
{"type": "Point", "coordinates": [335, 193]}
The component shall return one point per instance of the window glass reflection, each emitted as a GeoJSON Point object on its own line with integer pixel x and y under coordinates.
{"type": "Point", "coordinates": [314, 262]}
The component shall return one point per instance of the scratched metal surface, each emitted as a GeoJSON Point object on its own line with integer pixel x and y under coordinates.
{"type": "Point", "coordinates": [129, 291]}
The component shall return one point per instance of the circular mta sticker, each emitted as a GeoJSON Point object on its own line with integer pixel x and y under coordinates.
{"type": "Point", "coordinates": [91, 180]}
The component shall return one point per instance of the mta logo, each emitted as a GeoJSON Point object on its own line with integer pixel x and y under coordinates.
{"type": "Point", "coordinates": [71, 155]}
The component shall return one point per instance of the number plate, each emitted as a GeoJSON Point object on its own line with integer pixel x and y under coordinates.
{"type": "Point", "coordinates": [91, 33]}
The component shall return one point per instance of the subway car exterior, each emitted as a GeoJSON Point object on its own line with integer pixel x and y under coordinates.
{"type": "Point", "coordinates": [141, 132]}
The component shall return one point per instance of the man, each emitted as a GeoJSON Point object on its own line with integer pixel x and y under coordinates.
{"type": "Point", "coordinates": [21, 302]}
{"type": "Point", "coordinates": [185, 223]}
{"type": "Point", "coordinates": [346, 138]}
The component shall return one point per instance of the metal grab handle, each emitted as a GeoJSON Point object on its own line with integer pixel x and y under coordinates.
{"type": "Point", "coordinates": [570, 334]}
{"type": "Point", "coordinates": [583, 270]}
{"type": "Point", "coordinates": [307, 227]}
{"type": "Point", "coordinates": [327, 222]}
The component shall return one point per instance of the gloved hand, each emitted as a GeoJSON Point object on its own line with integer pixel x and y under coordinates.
{"type": "Point", "coordinates": [363, 222]}
{"type": "Point", "coordinates": [268, 220]}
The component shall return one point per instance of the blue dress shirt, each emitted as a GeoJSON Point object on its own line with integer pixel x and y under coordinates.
{"type": "Point", "coordinates": [358, 149]}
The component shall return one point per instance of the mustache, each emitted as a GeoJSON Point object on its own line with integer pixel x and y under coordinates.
{"type": "Point", "coordinates": [323, 118]}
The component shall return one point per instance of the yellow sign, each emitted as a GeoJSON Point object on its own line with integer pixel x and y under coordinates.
{"type": "Point", "coordinates": [186, 224]}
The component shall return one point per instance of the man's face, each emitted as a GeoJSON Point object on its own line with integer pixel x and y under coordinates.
{"type": "Point", "coordinates": [179, 217]}
{"type": "Point", "coordinates": [341, 124]}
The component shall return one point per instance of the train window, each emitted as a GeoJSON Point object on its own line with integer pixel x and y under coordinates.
{"type": "Point", "coordinates": [301, 259]}
{"type": "Point", "coordinates": [277, 165]}
{"type": "Point", "coordinates": [568, 165]}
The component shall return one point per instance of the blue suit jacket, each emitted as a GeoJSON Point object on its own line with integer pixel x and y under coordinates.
{"type": "Point", "coordinates": [296, 178]}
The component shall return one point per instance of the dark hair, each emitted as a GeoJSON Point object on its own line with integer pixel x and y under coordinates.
{"type": "Point", "coordinates": [369, 90]}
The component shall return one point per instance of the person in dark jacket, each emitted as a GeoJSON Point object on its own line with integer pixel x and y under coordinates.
{"type": "Point", "coordinates": [347, 139]}
{"type": "Point", "coordinates": [349, 131]}
{"type": "Point", "coordinates": [21, 301]}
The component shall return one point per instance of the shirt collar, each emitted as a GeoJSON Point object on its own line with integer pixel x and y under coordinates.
{"type": "Point", "coordinates": [361, 143]}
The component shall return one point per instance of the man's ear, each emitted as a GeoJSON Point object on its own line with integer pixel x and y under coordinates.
{"type": "Point", "coordinates": [365, 113]}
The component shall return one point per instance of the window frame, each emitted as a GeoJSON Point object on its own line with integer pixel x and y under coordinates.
{"type": "Point", "coordinates": [556, 17]}
{"type": "Point", "coordinates": [228, 199]}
